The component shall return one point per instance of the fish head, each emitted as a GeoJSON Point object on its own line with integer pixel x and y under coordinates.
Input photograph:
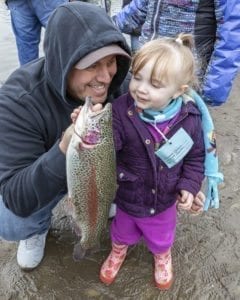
{"type": "Point", "coordinates": [91, 126]}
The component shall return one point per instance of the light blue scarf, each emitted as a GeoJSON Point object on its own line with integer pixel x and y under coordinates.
{"type": "Point", "coordinates": [169, 112]}
{"type": "Point", "coordinates": [214, 177]}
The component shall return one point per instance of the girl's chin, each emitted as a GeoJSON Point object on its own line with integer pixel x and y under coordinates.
{"type": "Point", "coordinates": [142, 105]}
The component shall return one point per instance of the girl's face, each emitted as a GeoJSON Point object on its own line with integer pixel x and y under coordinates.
{"type": "Point", "coordinates": [149, 93]}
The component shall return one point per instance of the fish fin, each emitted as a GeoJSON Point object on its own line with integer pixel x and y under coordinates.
{"type": "Point", "coordinates": [78, 252]}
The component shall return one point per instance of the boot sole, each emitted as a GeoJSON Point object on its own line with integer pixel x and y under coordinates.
{"type": "Point", "coordinates": [105, 280]}
{"type": "Point", "coordinates": [164, 286]}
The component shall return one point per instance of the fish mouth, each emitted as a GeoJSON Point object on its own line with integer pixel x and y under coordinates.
{"type": "Point", "coordinates": [93, 114]}
{"type": "Point", "coordinates": [92, 135]}
{"type": "Point", "coordinates": [90, 139]}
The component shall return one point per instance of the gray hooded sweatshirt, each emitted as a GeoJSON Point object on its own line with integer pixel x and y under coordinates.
{"type": "Point", "coordinates": [35, 108]}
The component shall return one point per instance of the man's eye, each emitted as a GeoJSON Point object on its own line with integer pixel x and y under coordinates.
{"type": "Point", "coordinates": [112, 61]}
{"type": "Point", "coordinates": [93, 66]}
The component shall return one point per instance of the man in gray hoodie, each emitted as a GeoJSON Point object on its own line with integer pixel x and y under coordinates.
{"type": "Point", "coordinates": [35, 106]}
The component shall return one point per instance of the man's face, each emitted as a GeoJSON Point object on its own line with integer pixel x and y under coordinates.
{"type": "Point", "coordinates": [93, 81]}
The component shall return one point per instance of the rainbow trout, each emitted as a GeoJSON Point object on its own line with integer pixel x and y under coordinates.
{"type": "Point", "coordinates": [91, 175]}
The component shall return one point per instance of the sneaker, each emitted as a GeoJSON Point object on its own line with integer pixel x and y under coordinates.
{"type": "Point", "coordinates": [31, 251]}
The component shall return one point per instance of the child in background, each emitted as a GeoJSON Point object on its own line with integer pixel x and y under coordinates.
{"type": "Point", "coordinates": [160, 154]}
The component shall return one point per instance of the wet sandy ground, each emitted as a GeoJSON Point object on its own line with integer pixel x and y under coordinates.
{"type": "Point", "coordinates": [205, 255]}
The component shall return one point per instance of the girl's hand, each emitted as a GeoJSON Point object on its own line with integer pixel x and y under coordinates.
{"type": "Point", "coordinates": [185, 200]}
{"type": "Point", "coordinates": [198, 203]}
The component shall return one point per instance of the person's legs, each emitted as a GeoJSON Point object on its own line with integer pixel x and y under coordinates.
{"type": "Point", "coordinates": [15, 228]}
{"type": "Point", "coordinates": [44, 8]}
{"type": "Point", "coordinates": [159, 231]}
{"type": "Point", "coordinates": [123, 233]}
{"type": "Point", "coordinates": [159, 235]}
{"type": "Point", "coordinates": [27, 30]}
{"type": "Point", "coordinates": [30, 231]}
{"type": "Point", "coordinates": [135, 45]}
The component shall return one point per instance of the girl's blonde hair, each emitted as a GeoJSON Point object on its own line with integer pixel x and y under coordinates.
{"type": "Point", "coordinates": [174, 60]}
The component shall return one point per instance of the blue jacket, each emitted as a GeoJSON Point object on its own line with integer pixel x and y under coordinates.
{"type": "Point", "coordinates": [215, 25]}
{"type": "Point", "coordinates": [146, 185]}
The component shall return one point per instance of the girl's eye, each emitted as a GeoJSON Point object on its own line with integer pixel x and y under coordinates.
{"type": "Point", "coordinates": [157, 84]}
{"type": "Point", "coordinates": [136, 77]}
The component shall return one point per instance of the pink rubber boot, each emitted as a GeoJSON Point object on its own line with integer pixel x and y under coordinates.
{"type": "Point", "coordinates": [112, 264]}
{"type": "Point", "coordinates": [163, 273]}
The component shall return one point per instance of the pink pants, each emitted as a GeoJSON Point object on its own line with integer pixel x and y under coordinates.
{"type": "Point", "coordinates": [158, 231]}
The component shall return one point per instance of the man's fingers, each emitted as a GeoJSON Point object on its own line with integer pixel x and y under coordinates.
{"type": "Point", "coordinates": [97, 107]}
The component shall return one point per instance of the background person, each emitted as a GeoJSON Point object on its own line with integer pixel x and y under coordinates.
{"type": "Point", "coordinates": [27, 18]}
{"type": "Point", "coordinates": [135, 34]}
{"type": "Point", "coordinates": [215, 26]}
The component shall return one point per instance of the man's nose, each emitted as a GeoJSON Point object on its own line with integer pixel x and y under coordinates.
{"type": "Point", "coordinates": [104, 75]}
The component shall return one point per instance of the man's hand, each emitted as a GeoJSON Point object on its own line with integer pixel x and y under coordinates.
{"type": "Point", "coordinates": [67, 135]}
{"type": "Point", "coordinates": [95, 108]}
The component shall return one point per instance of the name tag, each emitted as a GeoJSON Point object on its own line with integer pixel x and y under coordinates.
{"type": "Point", "coordinates": [176, 148]}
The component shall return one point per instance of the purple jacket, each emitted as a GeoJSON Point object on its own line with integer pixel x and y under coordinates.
{"type": "Point", "coordinates": [146, 185]}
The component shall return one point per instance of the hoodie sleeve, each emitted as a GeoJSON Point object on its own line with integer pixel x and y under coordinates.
{"type": "Point", "coordinates": [32, 167]}
{"type": "Point", "coordinates": [225, 60]}
{"type": "Point", "coordinates": [131, 17]}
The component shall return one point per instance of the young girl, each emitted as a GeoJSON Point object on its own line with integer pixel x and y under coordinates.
{"type": "Point", "coordinates": [160, 154]}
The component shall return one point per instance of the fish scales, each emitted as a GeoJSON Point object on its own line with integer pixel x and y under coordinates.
{"type": "Point", "coordinates": [91, 176]}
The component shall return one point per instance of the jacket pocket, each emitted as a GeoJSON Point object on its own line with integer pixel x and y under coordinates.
{"type": "Point", "coordinates": [127, 184]}
{"type": "Point", "coordinates": [125, 176]}
{"type": "Point", "coordinates": [168, 182]}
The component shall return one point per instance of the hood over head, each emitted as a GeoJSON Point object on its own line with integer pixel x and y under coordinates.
{"type": "Point", "coordinates": [74, 30]}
